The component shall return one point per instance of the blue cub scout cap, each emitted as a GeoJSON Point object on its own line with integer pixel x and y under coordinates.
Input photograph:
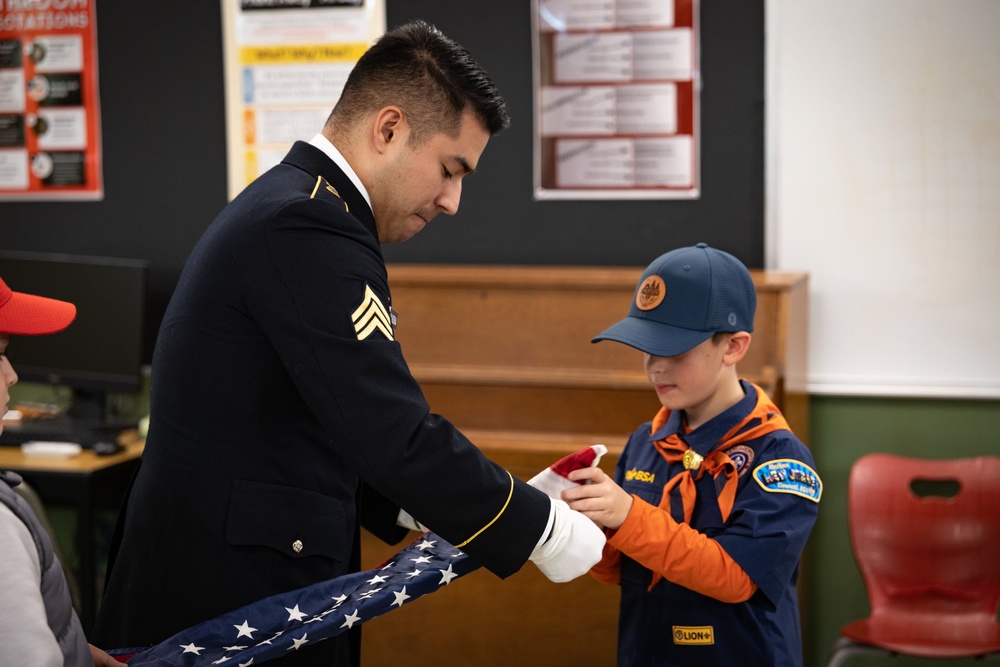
{"type": "Point", "coordinates": [683, 298]}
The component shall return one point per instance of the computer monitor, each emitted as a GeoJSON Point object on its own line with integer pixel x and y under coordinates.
{"type": "Point", "coordinates": [102, 351]}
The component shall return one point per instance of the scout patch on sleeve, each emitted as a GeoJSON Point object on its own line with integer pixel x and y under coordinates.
{"type": "Point", "coordinates": [371, 316]}
{"type": "Point", "coordinates": [789, 476]}
{"type": "Point", "coordinates": [742, 457]}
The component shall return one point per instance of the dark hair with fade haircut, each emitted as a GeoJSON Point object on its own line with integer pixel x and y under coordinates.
{"type": "Point", "coordinates": [430, 77]}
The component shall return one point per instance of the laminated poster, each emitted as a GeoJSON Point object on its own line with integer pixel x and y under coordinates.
{"type": "Point", "coordinates": [286, 62]}
{"type": "Point", "coordinates": [616, 99]}
{"type": "Point", "coordinates": [50, 140]}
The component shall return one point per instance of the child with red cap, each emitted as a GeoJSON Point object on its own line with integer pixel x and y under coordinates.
{"type": "Point", "coordinates": [38, 625]}
{"type": "Point", "coordinates": [712, 500]}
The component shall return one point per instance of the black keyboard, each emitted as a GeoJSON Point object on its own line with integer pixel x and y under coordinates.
{"type": "Point", "coordinates": [84, 433]}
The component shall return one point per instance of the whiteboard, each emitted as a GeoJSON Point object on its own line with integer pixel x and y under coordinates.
{"type": "Point", "coordinates": [883, 182]}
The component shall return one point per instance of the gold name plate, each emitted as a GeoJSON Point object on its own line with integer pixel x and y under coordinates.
{"type": "Point", "coordinates": [700, 635]}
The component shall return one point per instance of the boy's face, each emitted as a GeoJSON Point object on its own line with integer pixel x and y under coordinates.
{"type": "Point", "coordinates": [693, 381]}
{"type": "Point", "coordinates": [7, 377]}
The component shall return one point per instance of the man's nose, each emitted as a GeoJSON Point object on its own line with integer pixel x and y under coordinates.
{"type": "Point", "coordinates": [450, 197]}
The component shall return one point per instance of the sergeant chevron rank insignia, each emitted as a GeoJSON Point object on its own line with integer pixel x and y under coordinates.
{"type": "Point", "coordinates": [371, 316]}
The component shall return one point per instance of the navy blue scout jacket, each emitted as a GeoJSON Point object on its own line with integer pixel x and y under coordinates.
{"type": "Point", "coordinates": [765, 534]}
{"type": "Point", "coordinates": [274, 419]}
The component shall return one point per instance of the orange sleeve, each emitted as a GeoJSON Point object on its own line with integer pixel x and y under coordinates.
{"type": "Point", "coordinates": [679, 553]}
{"type": "Point", "coordinates": [606, 571]}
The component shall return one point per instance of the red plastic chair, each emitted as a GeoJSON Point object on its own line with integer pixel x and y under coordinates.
{"type": "Point", "coordinates": [926, 537]}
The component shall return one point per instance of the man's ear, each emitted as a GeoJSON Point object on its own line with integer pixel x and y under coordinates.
{"type": "Point", "coordinates": [736, 347]}
{"type": "Point", "coordinates": [389, 128]}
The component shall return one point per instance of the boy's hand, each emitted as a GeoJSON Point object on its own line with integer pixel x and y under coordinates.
{"type": "Point", "coordinates": [598, 497]}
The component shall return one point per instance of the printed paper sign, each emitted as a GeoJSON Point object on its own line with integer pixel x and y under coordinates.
{"type": "Point", "coordinates": [50, 136]}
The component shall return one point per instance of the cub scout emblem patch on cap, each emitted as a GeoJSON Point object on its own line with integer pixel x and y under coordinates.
{"type": "Point", "coordinates": [693, 635]}
{"type": "Point", "coordinates": [650, 293]}
{"type": "Point", "coordinates": [371, 316]}
{"type": "Point", "coordinates": [789, 476]}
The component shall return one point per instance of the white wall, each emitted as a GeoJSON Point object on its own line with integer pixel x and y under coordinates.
{"type": "Point", "coordinates": [883, 182]}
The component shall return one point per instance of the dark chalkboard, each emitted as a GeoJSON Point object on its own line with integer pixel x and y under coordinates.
{"type": "Point", "coordinates": [163, 117]}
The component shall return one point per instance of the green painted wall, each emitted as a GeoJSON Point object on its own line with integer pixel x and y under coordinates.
{"type": "Point", "coordinates": [842, 429]}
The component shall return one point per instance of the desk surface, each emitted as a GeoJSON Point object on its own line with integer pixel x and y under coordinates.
{"type": "Point", "coordinates": [11, 458]}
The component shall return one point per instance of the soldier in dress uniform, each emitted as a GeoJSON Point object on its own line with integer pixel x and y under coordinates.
{"type": "Point", "coordinates": [283, 414]}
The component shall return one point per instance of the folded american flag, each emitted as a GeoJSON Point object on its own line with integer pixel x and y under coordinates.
{"type": "Point", "coordinates": [269, 628]}
{"type": "Point", "coordinates": [291, 621]}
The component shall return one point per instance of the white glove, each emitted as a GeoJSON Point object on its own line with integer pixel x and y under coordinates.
{"type": "Point", "coordinates": [571, 547]}
{"type": "Point", "coordinates": [405, 520]}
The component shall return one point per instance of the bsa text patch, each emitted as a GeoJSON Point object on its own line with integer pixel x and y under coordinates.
{"type": "Point", "coordinates": [789, 476]}
{"type": "Point", "coordinates": [693, 635]}
{"type": "Point", "coordinates": [371, 316]}
{"type": "Point", "coordinates": [641, 475]}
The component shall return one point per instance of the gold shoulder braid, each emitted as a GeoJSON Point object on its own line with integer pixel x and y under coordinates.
{"type": "Point", "coordinates": [323, 185]}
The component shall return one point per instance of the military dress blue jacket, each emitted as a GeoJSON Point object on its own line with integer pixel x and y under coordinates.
{"type": "Point", "coordinates": [283, 416]}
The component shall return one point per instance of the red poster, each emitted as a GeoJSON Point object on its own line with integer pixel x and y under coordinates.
{"type": "Point", "coordinates": [50, 142]}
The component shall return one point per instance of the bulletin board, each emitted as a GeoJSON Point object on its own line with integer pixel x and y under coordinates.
{"type": "Point", "coordinates": [616, 93]}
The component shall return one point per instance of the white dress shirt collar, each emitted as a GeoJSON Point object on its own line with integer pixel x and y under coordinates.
{"type": "Point", "coordinates": [322, 143]}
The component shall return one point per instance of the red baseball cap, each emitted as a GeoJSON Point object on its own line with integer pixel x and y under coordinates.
{"type": "Point", "coordinates": [30, 315]}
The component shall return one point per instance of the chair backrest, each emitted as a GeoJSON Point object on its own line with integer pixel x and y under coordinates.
{"type": "Point", "coordinates": [921, 555]}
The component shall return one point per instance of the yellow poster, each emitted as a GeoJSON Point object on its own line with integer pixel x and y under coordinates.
{"type": "Point", "coordinates": [286, 62]}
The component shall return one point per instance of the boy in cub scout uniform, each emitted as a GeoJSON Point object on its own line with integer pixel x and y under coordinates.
{"type": "Point", "coordinates": [713, 500]}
